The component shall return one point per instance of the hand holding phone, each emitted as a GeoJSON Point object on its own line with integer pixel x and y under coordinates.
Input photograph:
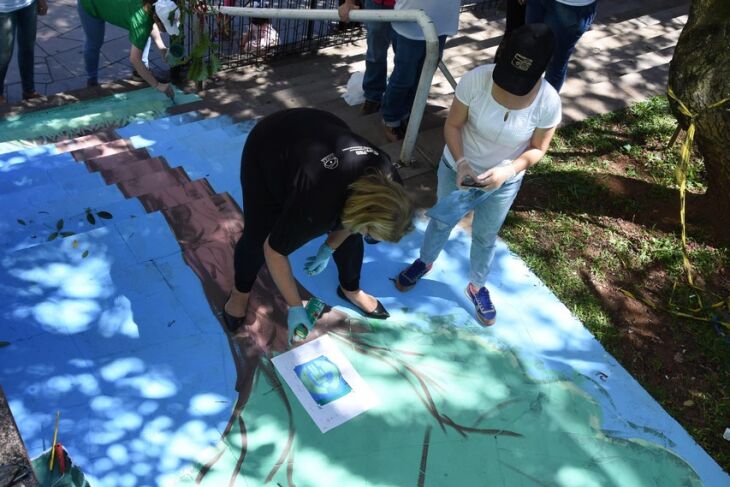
{"type": "Point", "coordinates": [471, 182]}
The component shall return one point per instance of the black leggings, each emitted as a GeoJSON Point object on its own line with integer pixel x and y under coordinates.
{"type": "Point", "coordinates": [259, 216]}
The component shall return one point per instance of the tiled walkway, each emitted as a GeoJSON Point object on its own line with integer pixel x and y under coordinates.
{"type": "Point", "coordinates": [623, 58]}
{"type": "Point", "coordinates": [59, 62]}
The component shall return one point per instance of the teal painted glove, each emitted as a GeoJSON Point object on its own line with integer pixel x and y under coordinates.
{"type": "Point", "coordinates": [298, 323]}
{"type": "Point", "coordinates": [316, 264]}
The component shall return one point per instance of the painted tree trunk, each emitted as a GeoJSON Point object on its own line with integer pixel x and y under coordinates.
{"type": "Point", "coordinates": [699, 75]}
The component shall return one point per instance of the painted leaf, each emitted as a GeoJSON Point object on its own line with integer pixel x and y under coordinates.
{"type": "Point", "coordinates": [53, 236]}
{"type": "Point", "coordinates": [4, 344]}
{"type": "Point", "coordinates": [67, 234]}
{"type": "Point", "coordinates": [75, 244]}
{"type": "Point", "coordinates": [90, 218]}
{"type": "Point", "coordinates": [104, 214]}
{"type": "Point", "coordinates": [59, 224]}
{"type": "Point", "coordinates": [85, 254]}
{"type": "Point", "coordinates": [22, 222]}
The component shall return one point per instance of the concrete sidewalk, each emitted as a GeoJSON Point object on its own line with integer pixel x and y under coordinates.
{"type": "Point", "coordinates": [623, 58]}
{"type": "Point", "coordinates": [59, 57]}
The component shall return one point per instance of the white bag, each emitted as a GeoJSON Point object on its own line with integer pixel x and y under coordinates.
{"type": "Point", "coordinates": [354, 94]}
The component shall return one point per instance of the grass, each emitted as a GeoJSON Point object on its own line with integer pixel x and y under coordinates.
{"type": "Point", "coordinates": [587, 240]}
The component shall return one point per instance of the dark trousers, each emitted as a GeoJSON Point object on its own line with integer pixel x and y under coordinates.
{"type": "Point", "coordinates": [515, 19]}
{"type": "Point", "coordinates": [260, 214]}
{"type": "Point", "coordinates": [568, 23]}
{"type": "Point", "coordinates": [21, 25]}
{"type": "Point", "coordinates": [515, 16]}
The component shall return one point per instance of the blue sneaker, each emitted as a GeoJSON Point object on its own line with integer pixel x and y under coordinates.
{"type": "Point", "coordinates": [411, 274]}
{"type": "Point", "coordinates": [486, 314]}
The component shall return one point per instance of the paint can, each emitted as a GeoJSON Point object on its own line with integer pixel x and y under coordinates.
{"type": "Point", "coordinates": [314, 309]}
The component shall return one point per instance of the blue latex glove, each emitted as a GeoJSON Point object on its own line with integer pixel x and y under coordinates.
{"type": "Point", "coordinates": [297, 316]}
{"type": "Point", "coordinates": [316, 264]}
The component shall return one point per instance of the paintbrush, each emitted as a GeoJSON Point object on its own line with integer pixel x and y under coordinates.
{"type": "Point", "coordinates": [55, 437]}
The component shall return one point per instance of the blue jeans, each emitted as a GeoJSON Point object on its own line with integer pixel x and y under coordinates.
{"type": "Point", "coordinates": [488, 219]}
{"type": "Point", "coordinates": [21, 24]}
{"type": "Point", "coordinates": [568, 24]}
{"type": "Point", "coordinates": [401, 89]}
{"type": "Point", "coordinates": [94, 30]}
{"type": "Point", "coordinates": [376, 57]}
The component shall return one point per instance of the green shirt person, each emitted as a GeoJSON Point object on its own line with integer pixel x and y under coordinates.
{"type": "Point", "coordinates": [140, 18]}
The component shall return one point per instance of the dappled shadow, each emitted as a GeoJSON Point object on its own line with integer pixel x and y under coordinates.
{"type": "Point", "coordinates": [124, 342]}
{"type": "Point", "coordinates": [458, 405]}
{"type": "Point", "coordinates": [652, 205]}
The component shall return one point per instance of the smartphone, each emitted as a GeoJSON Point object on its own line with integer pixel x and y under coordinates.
{"type": "Point", "coordinates": [471, 182]}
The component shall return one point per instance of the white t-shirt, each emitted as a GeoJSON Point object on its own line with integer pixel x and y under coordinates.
{"type": "Point", "coordinates": [490, 140]}
{"type": "Point", "coordinates": [444, 13]}
{"type": "Point", "coordinates": [7, 6]}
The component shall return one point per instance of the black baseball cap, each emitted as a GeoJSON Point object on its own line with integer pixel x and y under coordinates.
{"type": "Point", "coordinates": [524, 58]}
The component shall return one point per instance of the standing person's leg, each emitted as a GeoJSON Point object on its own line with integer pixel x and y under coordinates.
{"type": "Point", "coordinates": [376, 61]}
{"type": "Point", "coordinates": [409, 55]}
{"type": "Point", "coordinates": [26, 28]}
{"type": "Point", "coordinates": [516, 12]}
{"type": "Point", "coordinates": [515, 15]}
{"type": "Point", "coordinates": [437, 234]}
{"type": "Point", "coordinates": [414, 88]}
{"type": "Point", "coordinates": [568, 24]}
{"type": "Point", "coordinates": [535, 10]}
{"type": "Point", "coordinates": [488, 219]}
{"type": "Point", "coordinates": [7, 43]}
{"type": "Point", "coordinates": [348, 258]}
{"type": "Point", "coordinates": [94, 30]}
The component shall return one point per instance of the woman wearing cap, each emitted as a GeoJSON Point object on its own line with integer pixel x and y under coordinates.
{"type": "Point", "coordinates": [305, 174]}
{"type": "Point", "coordinates": [142, 18]}
{"type": "Point", "coordinates": [501, 123]}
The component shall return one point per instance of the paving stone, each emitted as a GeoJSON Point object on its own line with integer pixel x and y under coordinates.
{"type": "Point", "coordinates": [57, 44]}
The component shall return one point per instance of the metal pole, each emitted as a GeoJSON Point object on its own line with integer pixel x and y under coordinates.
{"type": "Point", "coordinates": [447, 74]}
{"type": "Point", "coordinates": [418, 16]}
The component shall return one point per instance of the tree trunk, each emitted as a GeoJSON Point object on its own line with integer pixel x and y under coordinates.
{"type": "Point", "coordinates": [699, 75]}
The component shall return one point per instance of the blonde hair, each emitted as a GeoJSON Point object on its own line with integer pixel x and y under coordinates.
{"type": "Point", "coordinates": [379, 207]}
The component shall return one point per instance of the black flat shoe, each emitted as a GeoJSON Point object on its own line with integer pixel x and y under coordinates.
{"type": "Point", "coordinates": [379, 312]}
{"type": "Point", "coordinates": [233, 323]}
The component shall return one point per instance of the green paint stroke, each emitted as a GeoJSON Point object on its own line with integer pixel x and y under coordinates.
{"type": "Point", "coordinates": [84, 116]}
{"type": "Point", "coordinates": [473, 382]}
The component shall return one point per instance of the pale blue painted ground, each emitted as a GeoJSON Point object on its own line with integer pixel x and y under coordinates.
{"type": "Point", "coordinates": [123, 342]}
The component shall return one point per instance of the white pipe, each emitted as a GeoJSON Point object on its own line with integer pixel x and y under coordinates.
{"type": "Point", "coordinates": [364, 15]}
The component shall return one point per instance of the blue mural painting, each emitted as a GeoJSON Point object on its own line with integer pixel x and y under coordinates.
{"type": "Point", "coordinates": [111, 319]}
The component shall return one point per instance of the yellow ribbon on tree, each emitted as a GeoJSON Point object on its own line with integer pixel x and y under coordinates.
{"type": "Point", "coordinates": [683, 169]}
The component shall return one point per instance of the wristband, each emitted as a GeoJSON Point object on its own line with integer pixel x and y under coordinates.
{"type": "Point", "coordinates": [461, 159]}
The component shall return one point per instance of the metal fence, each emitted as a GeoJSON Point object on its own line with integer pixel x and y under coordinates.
{"type": "Point", "coordinates": [241, 41]}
